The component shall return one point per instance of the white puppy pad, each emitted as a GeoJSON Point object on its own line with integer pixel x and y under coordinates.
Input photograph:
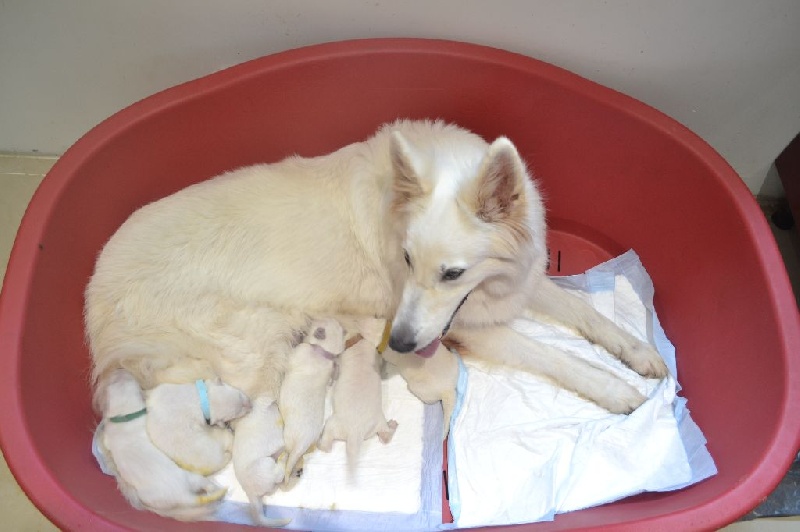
{"type": "Point", "coordinates": [395, 486]}
{"type": "Point", "coordinates": [522, 450]}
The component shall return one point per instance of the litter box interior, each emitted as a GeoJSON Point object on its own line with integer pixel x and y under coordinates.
{"type": "Point", "coordinates": [615, 175]}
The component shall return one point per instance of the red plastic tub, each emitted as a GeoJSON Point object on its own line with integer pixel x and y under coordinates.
{"type": "Point", "coordinates": [616, 174]}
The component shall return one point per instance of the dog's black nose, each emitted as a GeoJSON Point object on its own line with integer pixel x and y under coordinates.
{"type": "Point", "coordinates": [402, 340]}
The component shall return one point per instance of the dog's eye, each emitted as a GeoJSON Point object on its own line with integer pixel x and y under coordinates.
{"type": "Point", "coordinates": [452, 274]}
{"type": "Point", "coordinates": [408, 259]}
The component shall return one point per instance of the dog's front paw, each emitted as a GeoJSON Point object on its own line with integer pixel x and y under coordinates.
{"type": "Point", "coordinates": [645, 360]}
{"type": "Point", "coordinates": [620, 398]}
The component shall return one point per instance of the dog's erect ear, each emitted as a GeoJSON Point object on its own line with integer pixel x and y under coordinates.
{"type": "Point", "coordinates": [319, 333]}
{"type": "Point", "coordinates": [407, 184]}
{"type": "Point", "coordinates": [499, 184]}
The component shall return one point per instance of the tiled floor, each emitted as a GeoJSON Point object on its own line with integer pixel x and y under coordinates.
{"type": "Point", "coordinates": [19, 177]}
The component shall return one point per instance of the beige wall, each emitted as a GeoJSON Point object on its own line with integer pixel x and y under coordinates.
{"type": "Point", "coordinates": [728, 69]}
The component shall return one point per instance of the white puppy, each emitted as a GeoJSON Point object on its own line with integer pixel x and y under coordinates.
{"type": "Point", "coordinates": [145, 475]}
{"type": "Point", "coordinates": [257, 446]}
{"type": "Point", "coordinates": [177, 423]}
{"type": "Point", "coordinates": [305, 385]}
{"type": "Point", "coordinates": [357, 405]}
{"type": "Point", "coordinates": [430, 379]}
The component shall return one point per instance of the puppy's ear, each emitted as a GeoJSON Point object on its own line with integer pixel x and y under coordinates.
{"type": "Point", "coordinates": [319, 333]}
{"type": "Point", "coordinates": [406, 185]}
{"type": "Point", "coordinates": [499, 185]}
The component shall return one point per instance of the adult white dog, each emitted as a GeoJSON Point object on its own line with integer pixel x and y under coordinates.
{"type": "Point", "coordinates": [425, 224]}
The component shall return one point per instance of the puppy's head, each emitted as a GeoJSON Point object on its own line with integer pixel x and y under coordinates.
{"type": "Point", "coordinates": [227, 403]}
{"type": "Point", "coordinates": [328, 334]}
{"type": "Point", "coordinates": [121, 393]}
{"type": "Point", "coordinates": [467, 210]}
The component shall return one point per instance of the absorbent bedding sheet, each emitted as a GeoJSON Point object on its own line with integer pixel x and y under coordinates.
{"type": "Point", "coordinates": [394, 487]}
{"type": "Point", "coordinates": [520, 449]}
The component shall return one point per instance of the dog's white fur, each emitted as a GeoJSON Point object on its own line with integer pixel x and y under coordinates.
{"type": "Point", "coordinates": [257, 449]}
{"type": "Point", "coordinates": [305, 386]}
{"type": "Point", "coordinates": [145, 475]}
{"type": "Point", "coordinates": [219, 278]}
{"type": "Point", "coordinates": [176, 425]}
{"type": "Point", "coordinates": [357, 403]}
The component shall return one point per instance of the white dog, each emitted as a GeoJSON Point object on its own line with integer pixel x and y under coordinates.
{"type": "Point", "coordinates": [357, 403]}
{"type": "Point", "coordinates": [177, 425]}
{"type": "Point", "coordinates": [305, 386]}
{"type": "Point", "coordinates": [145, 475]}
{"type": "Point", "coordinates": [424, 224]}
{"type": "Point", "coordinates": [257, 447]}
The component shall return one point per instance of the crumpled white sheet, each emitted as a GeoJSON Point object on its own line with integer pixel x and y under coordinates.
{"type": "Point", "coordinates": [522, 450]}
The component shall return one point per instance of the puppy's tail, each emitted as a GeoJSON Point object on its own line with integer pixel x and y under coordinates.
{"type": "Point", "coordinates": [257, 510]}
{"type": "Point", "coordinates": [353, 451]}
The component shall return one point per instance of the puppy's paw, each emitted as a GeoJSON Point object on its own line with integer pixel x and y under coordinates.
{"type": "Point", "coordinates": [325, 442]}
{"type": "Point", "coordinates": [645, 360]}
{"type": "Point", "coordinates": [212, 497]}
{"type": "Point", "coordinates": [387, 432]}
{"type": "Point", "coordinates": [273, 523]}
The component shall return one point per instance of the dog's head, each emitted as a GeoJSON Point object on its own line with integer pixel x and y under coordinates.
{"type": "Point", "coordinates": [468, 212]}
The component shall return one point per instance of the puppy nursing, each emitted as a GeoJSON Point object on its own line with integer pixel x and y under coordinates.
{"type": "Point", "coordinates": [357, 405]}
{"type": "Point", "coordinates": [145, 475]}
{"type": "Point", "coordinates": [431, 379]}
{"type": "Point", "coordinates": [177, 425]}
{"type": "Point", "coordinates": [305, 385]}
{"type": "Point", "coordinates": [257, 447]}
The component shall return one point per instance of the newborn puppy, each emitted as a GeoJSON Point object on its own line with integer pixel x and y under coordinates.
{"type": "Point", "coordinates": [431, 379]}
{"type": "Point", "coordinates": [257, 444]}
{"type": "Point", "coordinates": [145, 475]}
{"type": "Point", "coordinates": [305, 385]}
{"type": "Point", "coordinates": [177, 425]}
{"type": "Point", "coordinates": [357, 406]}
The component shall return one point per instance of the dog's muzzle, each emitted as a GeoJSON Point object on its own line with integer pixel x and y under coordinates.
{"type": "Point", "coordinates": [402, 338]}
